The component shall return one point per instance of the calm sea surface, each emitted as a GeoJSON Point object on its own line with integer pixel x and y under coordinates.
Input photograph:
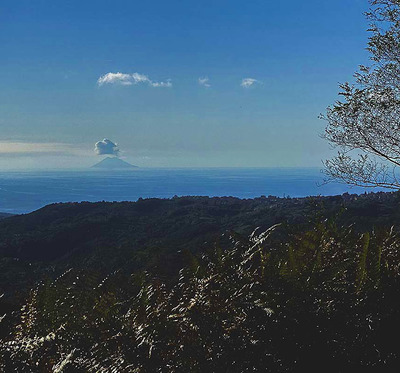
{"type": "Point", "coordinates": [22, 192]}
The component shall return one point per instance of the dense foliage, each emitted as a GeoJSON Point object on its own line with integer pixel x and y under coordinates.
{"type": "Point", "coordinates": [150, 234]}
{"type": "Point", "coordinates": [84, 233]}
{"type": "Point", "coordinates": [281, 300]}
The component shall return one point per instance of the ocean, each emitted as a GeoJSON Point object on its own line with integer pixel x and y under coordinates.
{"type": "Point", "coordinates": [23, 192]}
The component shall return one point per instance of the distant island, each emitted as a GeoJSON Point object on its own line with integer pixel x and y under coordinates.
{"type": "Point", "coordinates": [113, 163]}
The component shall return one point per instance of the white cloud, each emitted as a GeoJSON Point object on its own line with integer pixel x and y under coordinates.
{"type": "Point", "coordinates": [248, 82]}
{"type": "Point", "coordinates": [115, 78]}
{"type": "Point", "coordinates": [167, 84]}
{"type": "Point", "coordinates": [139, 78]}
{"type": "Point", "coordinates": [106, 146]}
{"type": "Point", "coordinates": [204, 82]}
{"type": "Point", "coordinates": [129, 79]}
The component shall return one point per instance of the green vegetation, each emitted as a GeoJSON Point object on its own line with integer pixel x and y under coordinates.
{"type": "Point", "coordinates": [184, 285]}
{"type": "Point", "coordinates": [281, 300]}
{"type": "Point", "coordinates": [364, 124]}
{"type": "Point", "coordinates": [152, 234]}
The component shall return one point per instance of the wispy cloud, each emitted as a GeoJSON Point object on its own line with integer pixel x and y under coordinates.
{"type": "Point", "coordinates": [130, 79]}
{"type": "Point", "coordinates": [19, 149]}
{"type": "Point", "coordinates": [248, 82]}
{"type": "Point", "coordinates": [166, 84]}
{"type": "Point", "coordinates": [204, 82]}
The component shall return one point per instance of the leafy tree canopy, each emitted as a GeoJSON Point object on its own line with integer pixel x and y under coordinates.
{"type": "Point", "coordinates": [365, 124]}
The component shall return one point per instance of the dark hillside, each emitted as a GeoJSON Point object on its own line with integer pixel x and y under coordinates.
{"type": "Point", "coordinates": [314, 282]}
{"type": "Point", "coordinates": [60, 230]}
{"type": "Point", "coordinates": [157, 234]}
{"type": "Point", "coordinates": [324, 299]}
{"type": "Point", "coordinates": [66, 230]}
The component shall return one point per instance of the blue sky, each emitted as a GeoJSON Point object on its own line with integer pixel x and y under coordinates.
{"type": "Point", "coordinates": [53, 109]}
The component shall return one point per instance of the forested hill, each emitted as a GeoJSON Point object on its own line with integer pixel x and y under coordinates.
{"type": "Point", "coordinates": [63, 230]}
{"type": "Point", "coordinates": [66, 252]}
{"type": "Point", "coordinates": [4, 215]}
{"type": "Point", "coordinates": [300, 295]}
{"type": "Point", "coordinates": [99, 232]}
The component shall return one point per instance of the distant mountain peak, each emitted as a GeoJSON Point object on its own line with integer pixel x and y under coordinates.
{"type": "Point", "coordinates": [113, 163]}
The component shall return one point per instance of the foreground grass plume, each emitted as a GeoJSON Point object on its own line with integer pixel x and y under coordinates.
{"type": "Point", "coordinates": [280, 300]}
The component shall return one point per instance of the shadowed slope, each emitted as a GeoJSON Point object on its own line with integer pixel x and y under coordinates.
{"type": "Point", "coordinates": [113, 163]}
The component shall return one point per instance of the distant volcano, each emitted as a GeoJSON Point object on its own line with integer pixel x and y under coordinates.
{"type": "Point", "coordinates": [113, 163]}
